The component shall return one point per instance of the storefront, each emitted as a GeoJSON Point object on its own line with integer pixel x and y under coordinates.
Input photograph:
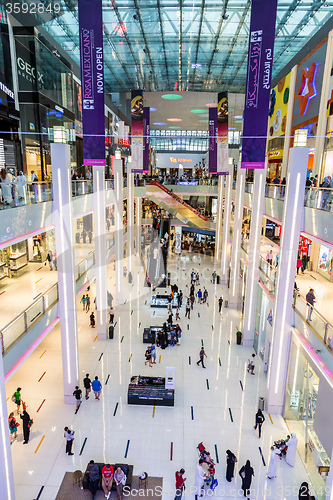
{"type": "Point", "coordinates": [263, 325]}
{"type": "Point", "coordinates": [325, 260]}
{"type": "Point", "coordinates": [14, 260]}
{"type": "Point", "coordinates": [304, 408]}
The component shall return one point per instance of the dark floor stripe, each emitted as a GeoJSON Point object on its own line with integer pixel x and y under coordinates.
{"type": "Point", "coordinates": [41, 267]}
{"type": "Point", "coordinates": [139, 324]}
{"type": "Point", "coordinates": [125, 301]}
{"type": "Point", "coordinates": [189, 360]}
{"type": "Point", "coordinates": [37, 296]}
{"type": "Point", "coordinates": [41, 490]}
{"type": "Point", "coordinates": [115, 324]}
{"type": "Point", "coordinates": [145, 302]}
{"type": "Point", "coordinates": [128, 442]}
{"type": "Point", "coordinates": [192, 415]}
{"type": "Point", "coordinates": [313, 277]}
{"type": "Point", "coordinates": [212, 327]}
{"type": "Point", "coordinates": [41, 377]}
{"type": "Point", "coordinates": [202, 342]}
{"type": "Point", "coordinates": [100, 357]}
{"type": "Point", "coordinates": [220, 362]}
{"type": "Point", "coordinates": [262, 456]}
{"type": "Point", "coordinates": [171, 451]}
{"type": "Point", "coordinates": [129, 359]}
{"type": "Point", "coordinates": [40, 405]}
{"type": "Point", "coordinates": [3, 292]}
{"type": "Point", "coordinates": [115, 410]}
{"type": "Point", "coordinates": [198, 315]}
{"type": "Point", "coordinates": [241, 385]}
{"type": "Point", "coordinates": [84, 443]}
{"type": "Point", "coordinates": [207, 383]}
{"type": "Point", "coordinates": [107, 380]}
{"type": "Point", "coordinates": [131, 312]}
{"type": "Point", "coordinates": [229, 342]}
{"type": "Point", "coordinates": [154, 313]}
{"type": "Point", "coordinates": [188, 326]}
{"type": "Point", "coordinates": [230, 415]}
{"type": "Point", "coordinates": [122, 338]}
{"type": "Point", "coordinates": [217, 455]}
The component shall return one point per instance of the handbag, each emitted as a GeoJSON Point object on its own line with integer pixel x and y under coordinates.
{"type": "Point", "coordinates": [124, 479]}
{"type": "Point", "coordinates": [14, 398]}
{"type": "Point", "coordinates": [30, 423]}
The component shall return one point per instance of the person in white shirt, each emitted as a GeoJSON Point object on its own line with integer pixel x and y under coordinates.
{"type": "Point", "coordinates": [21, 181]}
{"type": "Point", "coordinates": [6, 188]}
{"type": "Point", "coordinates": [199, 477]}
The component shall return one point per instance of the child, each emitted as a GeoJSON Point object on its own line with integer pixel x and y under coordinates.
{"type": "Point", "coordinates": [250, 366]}
{"type": "Point", "coordinates": [177, 313]}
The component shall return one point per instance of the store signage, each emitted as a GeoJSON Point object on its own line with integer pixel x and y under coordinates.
{"type": "Point", "coordinates": [212, 130]}
{"type": "Point", "coordinates": [124, 143]}
{"type": "Point", "coordinates": [92, 78]}
{"type": "Point", "coordinates": [307, 90]}
{"type": "Point", "coordinates": [276, 154]}
{"type": "Point", "coordinates": [173, 159]}
{"type": "Point", "coordinates": [146, 139]}
{"type": "Point", "coordinates": [6, 90]}
{"type": "Point", "coordinates": [294, 400]}
{"type": "Point", "coordinates": [258, 82]}
{"type": "Point", "coordinates": [29, 72]}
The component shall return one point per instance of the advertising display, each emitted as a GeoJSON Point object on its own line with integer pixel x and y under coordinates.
{"type": "Point", "coordinates": [146, 139]}
{"type": "Point", "coordinates": [222, 134]}
{"type": "Point", "coordinates": [212, 130]}
{"type": "Point", "coordinates": [178, 239]}
{"type": "Point", "coordinates": [258, 82]}
{"type": "Point", "coordinates": [278, 108]}
{"type": "Point", "coordinates": [137, 130]}
{"type": "Point", "coordinates": [176, 160]}
{"type": "Point", "coordinates": [92, 79]}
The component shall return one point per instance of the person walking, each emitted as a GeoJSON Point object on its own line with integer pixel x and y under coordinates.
{"type": "Point", "coordinates": [92, 320]}
{"type": "Point", "coordinates": [231, 460]}
{"type": "Point", "coordinates": [87, 385]}
{"type": "Point", "coordinates": [148, 356]}
{"type": "Point", "coordinates": [26, 426]}
{"type": "Point", "coordinates": [192, 300]}
{"type": "Point", "coordinates": [246, 473]}
{"type": "Point", "coordinates": [259, 420]}
{"type": "Point", "coordinates": [269, 257]}
{"type": "Point", "coordinates": [13, 425]}
{"type": "Point", "coordinates": [291, 451]}
{"type": "Point", "coordinates": [304, 492]}
{"type": "Point", "coordinates": [188, 309]}
{"type": "Point", "coordinates": [83, 301]}
{"type": "Point", "coordinates": [310, 299]}
{"type": "Point", "coordinates": [16, 398]}
{"type": "Point", "coordinates": [177, 313]}
{"type": "Point", "coordinates": [299, 264]}
{"type": "Point", "coordinates": [49, 259]}
{"type": "Point", "coordinates": [180, 483]}
{"type": "Point", "coordinates": [199, 477]}
{"type": "Point", "coordinates": [96, 387]}
{"type": "Point", "coordinates": [69, 436]}
{"type": "Point", "coordinates": [111, 315]}
{"type": "Point", "coordinates": [87, 303]}
{"type": "Point", "coordinates": [205, 295]}
{"type": "Point", "coordinates": [214, 277]}
{"type": "Point", "coordinates": [220, 304]}
{"type": "Point", "coordinates": [275, 455]}
{"type": "Point", "coordinates": [250, 366]}
{"type": "Point", "coordinates": [199, 295]}
{"type": "Point", "coordinates": [153, 353]}
{"type": "Point", "coordinates": [78, 397]}
{"type": "Point", "coordinates": [202, 354]}
{"type": "Point", "coordinates": [180, 299]}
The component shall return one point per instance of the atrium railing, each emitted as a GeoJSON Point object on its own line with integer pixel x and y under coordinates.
{"type": "Point", "coordinates": [320, 198]}
{"type": "Point", "coordinates": [268, 275]}
{"type": "Point", "coordinates": [20, 325]}
{"type": "Point", "coordinates": [321, 326]}
{"type": "Point", "coordinates": [17, 194]}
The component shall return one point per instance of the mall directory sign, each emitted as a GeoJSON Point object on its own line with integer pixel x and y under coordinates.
{"type": "Point", "coordinates": [258, 83]}
{"type": "Point", "coordinates": [92, 81]}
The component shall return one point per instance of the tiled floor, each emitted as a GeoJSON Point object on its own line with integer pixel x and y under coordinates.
{"type": "Point", "coordinates": [150, 434]}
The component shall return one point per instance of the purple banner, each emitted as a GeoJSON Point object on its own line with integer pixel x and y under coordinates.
{"type": "Point", "coordinates": [146, 139]}
{"type": "Point", "coordinates": [92, 82]}
{"type": "Point", "coordinates": [258, 82]}
{"type": "Point", "coordinates": [212, 130]}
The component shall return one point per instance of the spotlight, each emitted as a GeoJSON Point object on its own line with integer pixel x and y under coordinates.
{"type": "Point", "coordinates": [136, 17]}
{"type": "Point", "coordinates": [225, 17]}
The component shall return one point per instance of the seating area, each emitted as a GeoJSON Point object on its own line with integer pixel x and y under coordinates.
{"type": "Point", "coordinates": [128, 470]}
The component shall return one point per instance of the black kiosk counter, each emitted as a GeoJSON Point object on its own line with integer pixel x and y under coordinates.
{"type": "Point", "coordinates": [149, 391]}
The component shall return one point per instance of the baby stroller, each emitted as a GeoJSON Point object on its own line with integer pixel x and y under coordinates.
{"type": "Point", "coordinates": [204, 454]}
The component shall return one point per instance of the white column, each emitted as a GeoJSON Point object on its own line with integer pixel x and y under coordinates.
{"type": "Point", "coordinates": [293, 212]}
{"type": "Point", "coordinates": [218, 231]}
{"type": "Point", "coordinates": [138, 204]}
{"type": "Point", "coordinates": [63, 226]}
{"type": "Point", "coordinates": [252, 276]}
{"type": "Point", "coordinates": [234, 297]}
{"type": "Point", "coordinates": [100, 252]}
{"type": "Point", "coordinates": [225, 257]}
{"type": "Point", "coordinates": [130, 217]}
{"type": "Point", "coordinates": [322, 119]}
{"type": "Point", "coordinates": [119, 229]}
{"type": "Point", "coordinates": [329, 482]}
{"type": "Point", "coordinates": [7, 491]}
{"type": "Point", "coordinates": [289, 121]}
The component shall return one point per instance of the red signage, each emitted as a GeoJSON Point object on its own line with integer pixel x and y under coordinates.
{"type": "Point", "coordinates": [124, 142]}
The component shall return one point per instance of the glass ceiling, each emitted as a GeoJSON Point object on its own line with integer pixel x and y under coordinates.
{"type": "Point", "coordinates": [196, 45]}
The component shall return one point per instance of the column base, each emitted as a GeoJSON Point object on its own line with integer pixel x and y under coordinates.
{"type": "Point", "coordinates": [234, 305]}
{"type": "Point", "coordinates": [103, 335]}
{"type": "Point", "coordinates": [274, 409]}
{"type": "Point", "coordinates": [70, 400]}
{"type": "Point", "coordinates": [248, 342]}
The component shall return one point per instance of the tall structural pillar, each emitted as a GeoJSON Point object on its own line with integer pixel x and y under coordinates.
{"type": "Point", "coordinates": [100, 251]}
{"type": "Point", "coordinates": [293, 213]}
{"type": "Point", "coordinates": [138, 204]}
{"type": "Point", "coordinates": [234, 291]}
{"type": "Point", "coordinates": [225, 254]}
{"type": "Point", "coordinates": [119, 229]}
{"type": "Point", "coordinates": [253, 255]}
{"type": "Point", "coordinates": [130, 217]}
{"type": "Point", "coordinates": [218, 232]}
{"type": "Point", "coordinates": [63, 226]}
{"type": "Point", "coordinates": [7, 491]}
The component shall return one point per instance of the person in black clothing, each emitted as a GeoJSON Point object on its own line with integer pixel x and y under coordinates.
{"type": "Point", "coordinates": [180, 298]}
{"type": "Point", "coordinates": [260, 419]}
{"type": "Point", "coordinates": [92, 320]}
{"type": "Point", "coordinates": [26, 429]}
{"type": "Point", "coordinates": [220, 304]}
{"type": "Point", "coordinates": [170, 317]}
{"type": "Point", "coordinates": [92, 472]}
{"type": "Point", "coordinates": [231, 460]}
{"type": "Point", "coordinates": [78, 397]}
{"type": "Point", "coordinates": [87, 385]}
{"type": "Point", "coordinates": [246, 473]}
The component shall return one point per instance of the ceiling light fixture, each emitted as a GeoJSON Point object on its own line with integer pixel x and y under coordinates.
{"type": "Point", "coordinates": [198, 110]}
{"type": "Point", "coordinates": [172, 96]}
{"type": "Point", "coordinates": [174, 120]}
{"type": "Point", "coordinates": [159, 123]}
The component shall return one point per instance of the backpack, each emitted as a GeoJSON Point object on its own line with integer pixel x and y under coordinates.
{"type": "Point", "coordinates": [12, 423]}
{"type": "Point", "coordinates": [309, 297]}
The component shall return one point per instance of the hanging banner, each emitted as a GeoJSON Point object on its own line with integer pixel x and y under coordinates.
{"type": "Point", "coordinates": [92, 81]}
{"type": "Point", "coordinates": [258, 83]}
{"type": "Point", "coordinates": [137, 130]}
{"type": "Point", "coordinates": [222, 134]}
{"type": "Point", "coordinates": [212, 127]}
{"type": "Point", "coordinates": [146, 139]}
{"type": "Point", "coordinates": [178, 239]}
